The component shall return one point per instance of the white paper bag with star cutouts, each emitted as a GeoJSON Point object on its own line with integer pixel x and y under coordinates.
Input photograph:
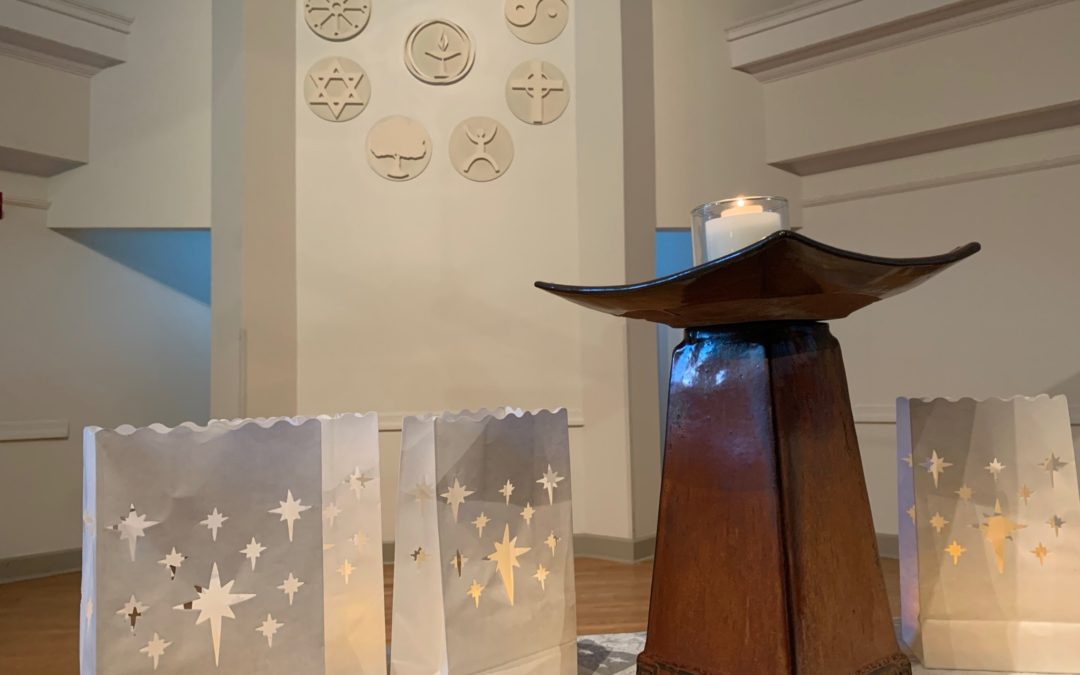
{"type": "Point", "coordinates": [243, 546]}
{"type": "Point", "coordinates": [484, 559]}
{"type": "Point", "coordinates": [989, 534]}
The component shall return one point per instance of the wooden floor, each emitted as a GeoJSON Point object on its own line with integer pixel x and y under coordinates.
{"type": "Point", "coordinates": [39, 619]}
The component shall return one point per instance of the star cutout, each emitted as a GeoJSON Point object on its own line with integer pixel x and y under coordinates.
{"type": "Point", "coordinates": [955, 550]}
{"type": "Point", "coordinates": [419, 555]}
{"type": "Point", "coordinates": [215, 603]}
{"type": "Point", "coordinates": [132, 527]}
{"type": "Point", "coordinates": [346, 571]}
{"type": "Point", "coordinates": [357, 481]}
{"type": "Point", "coordinates": [938, 522]}
{"type": "Point", "coordinates": [475, 591]}
{"type": "Point", "coordinates": [89, 610]}
{"type": "Point", "coordinates": [330, 512]}
{"type": "Point", "coordinates": [550, 481]}
{"type": "Point", "coordinates": [1056, 523]}
{"type": "Point", "coordinates": [268, 629]}
{"type": "Point", "coordinates": [336, 98]}
{"type": "Point", "coordinates": [88, 520]}
{"type": "Point", "coordinates": [132, 609]}
{"type": "Point", "coordinates": [505, 558]}
{"type": "Point", "coordinates": [155, 649]}
{"type": "Point", "coordinates": [252, 552]}
{"type": "Point", "coordinates": [910, 512]}
{"type": "Point", "coordinates": [965, 493]}
{"type": "Point", "coordinates": [290, 586]}
{"type": "Point", "coordinates": [458, 561]}
{"type": "Point", "coordinates": [290, 511]}
{"type": "Point", "coordinates": [423, 492]}
{"type": "Point", "coordinates": [936, 466]}
{"type": "Point", "coordinates": [527, 513]}
{"type": "Point", "coordinates": [1053, 464]}
{"type": "Point", "coordinates": [552, 541]}
{"type": "Point", "coordinates": [455, 496]}
{"type": "Point", "coordinates": [1041, 552]}
{"type": "Point", "coordinates": [506, 491]}
{"type": "Point", "coordinates": [908, 460]}
{"type": "Point", "coordinates": [541, 576]}
{"type": "Point", "coordinates": [213, 522]}
{"type": "Point", "coordinates": [359, 540]}
{"type": "Point", "coordinates": [995, 467]}
{"type": "Point", "coordinates": [997, 529]}
{"type": "Point", "coordinates": [480, 523]}
{"type": "Point", "coordinates": [1025, 493]}
{"type": "Point", "coordinates": [173, 560]}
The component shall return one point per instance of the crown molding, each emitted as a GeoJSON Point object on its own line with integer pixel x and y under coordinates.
{"type": "Point", "coordinates": [72, 36]}
{"type": "Point", "coordinates": [85, 11]}
{"type": "Point", "coordinates": [819, 33]}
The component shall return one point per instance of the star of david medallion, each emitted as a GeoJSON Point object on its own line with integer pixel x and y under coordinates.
{"type": "Point", "coordinates": [536, 21]}
{"type": "Point", "coordinates": [481, 149]}
{"type": "Point", "coordinates": [337, 89]}
{"type": "Point", "coordinates": [337, 19]}
{"type": "Point", "coordinates": [439, 52]}
{"type": "Point", "coordinates": [537, 92]}
{"type": "Point", "coordinates": [399, 148]}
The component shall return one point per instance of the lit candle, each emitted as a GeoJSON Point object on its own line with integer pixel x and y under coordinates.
{"type": "Point", "coordinates": [738, 227]}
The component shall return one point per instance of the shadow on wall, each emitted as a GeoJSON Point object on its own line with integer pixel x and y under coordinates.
{"type": "Point", "coordinates": [179, 259]}
{"type": "Point", "coordinates": [673, 254]}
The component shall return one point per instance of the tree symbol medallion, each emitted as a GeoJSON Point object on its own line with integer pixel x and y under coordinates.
{"type": "Point", "coordinates": [337, 89]}
{"type": "Point", "coordinates": [399, 148]}
{"type": "Point", "coordinates": [439, 52]}
{"type": "Point", "coordinates": [337, 19]}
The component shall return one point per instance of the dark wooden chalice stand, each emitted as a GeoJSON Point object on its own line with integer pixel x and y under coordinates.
{"type": "Point", "coordinates": [766, 560]}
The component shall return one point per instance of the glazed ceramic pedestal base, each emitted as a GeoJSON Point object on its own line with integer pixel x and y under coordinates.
{"type": "Point", "coordinates": [766, 561]}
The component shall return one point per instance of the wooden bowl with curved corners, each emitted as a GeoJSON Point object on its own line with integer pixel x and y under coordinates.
{"type": "Point", "coordinates": [784, 277]}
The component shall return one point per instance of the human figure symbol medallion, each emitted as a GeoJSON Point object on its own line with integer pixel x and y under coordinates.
{"type": "Point", "coordinates": [481, 149]}
{"type": "Point", "coordinates": [537, 92]}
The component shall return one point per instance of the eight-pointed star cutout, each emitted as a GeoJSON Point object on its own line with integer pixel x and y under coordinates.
{"type": "Point", "coordinates": [213, 604]}
{"type": "Point", "coordinates": [290, 511]}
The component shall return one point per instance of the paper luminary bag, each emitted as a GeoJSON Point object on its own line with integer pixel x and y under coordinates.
{"type": "Point", "coordinates": [989, 534]}
{"type": "Point", "coordinates": [245, 546]}
{"type": "Point", "coordinates": [484, 559]}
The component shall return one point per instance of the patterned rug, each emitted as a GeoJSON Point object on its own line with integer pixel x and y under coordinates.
{"type": "Point", "coordinates": [616, 654]}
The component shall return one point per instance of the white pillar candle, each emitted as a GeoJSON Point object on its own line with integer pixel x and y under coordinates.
{"type": "Point", "coordinates": [737, 228]}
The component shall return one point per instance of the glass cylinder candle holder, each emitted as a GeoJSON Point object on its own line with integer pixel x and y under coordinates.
{"type": "Point", "coordinates": [720, 228]}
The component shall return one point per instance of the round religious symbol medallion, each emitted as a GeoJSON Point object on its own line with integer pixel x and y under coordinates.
{"type": "Point", "coordinates": [536, 21]}
{"type": "Point", "coordinates": [439, 52]}
{"type": "Point", "coordinates": [337, 19]}
{"type": "Point", "coordinates": [337, 89]}
{"type": "Point", "coordinates": [481, 149]}
{"type": "Point", "coordinates": [537, 92]}
{"type": "Point", "coordinates": [398, 148]}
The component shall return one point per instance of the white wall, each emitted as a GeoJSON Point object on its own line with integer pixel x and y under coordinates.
{"type": "Point", "coordinates": [149, 160]}
{"type": "Point", "coordinates": [84, 337]}
{"type": "Point", "coordinates": [89, 340]}
{"type": "Point", "coordinates": [418, 296]}
{"type": "Point", "coordinates": [1001, 323]}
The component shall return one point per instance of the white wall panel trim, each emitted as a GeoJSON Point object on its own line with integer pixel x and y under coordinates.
{"type": "Point", "coordinates": [392, 421]}
{"type": "Point", "coordinates": [885, 413]}
{"type": "Point", "coordinates": [33, 430]}
{"type": "Point", "coordinates": [816, 34]}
